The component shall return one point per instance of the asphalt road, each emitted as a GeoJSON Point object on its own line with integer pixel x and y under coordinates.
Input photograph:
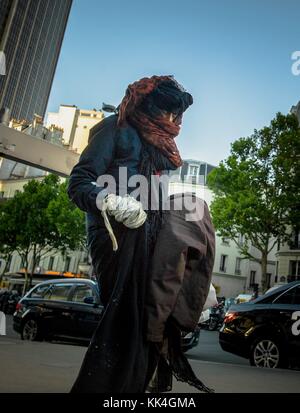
{"type": "Point", "coordinates": [208, 348]}
{"type": "Point", "coordinates": [52, 368]}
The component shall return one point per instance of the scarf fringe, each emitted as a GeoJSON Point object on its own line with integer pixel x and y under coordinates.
{"type": "Point", "coordinates": [183, 372]}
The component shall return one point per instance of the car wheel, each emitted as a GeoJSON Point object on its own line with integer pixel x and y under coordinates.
{"type": "Point", "coordinates": [31, 330]}
{"type": "Point", "coordinates": [266, 352]}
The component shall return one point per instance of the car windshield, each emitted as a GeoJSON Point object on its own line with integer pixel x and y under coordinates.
{"type": "Point", "coordinates": [292, 296]}
{"type": "Point", "coordinates": [270, 297]}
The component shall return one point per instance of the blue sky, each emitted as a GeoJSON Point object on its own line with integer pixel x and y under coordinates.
{"type": "Point", "coordinates": [233, 56]}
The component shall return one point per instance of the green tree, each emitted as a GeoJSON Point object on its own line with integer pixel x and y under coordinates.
{"type": "Point", "coordinates": [256, 189]}
{"type": "Point", "coordinates": [40, 221]}
{"type": "Point", "coordinates": [7, 238]}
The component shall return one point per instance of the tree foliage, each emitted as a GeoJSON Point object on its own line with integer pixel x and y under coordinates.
{"type": "Point", "coordinates": [39, 221]}
{"type": "Point", "coordinates": [257, 188]}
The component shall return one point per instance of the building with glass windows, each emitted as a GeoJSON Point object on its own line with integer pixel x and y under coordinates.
{"type": "Point", "coordinates": [31, 35]}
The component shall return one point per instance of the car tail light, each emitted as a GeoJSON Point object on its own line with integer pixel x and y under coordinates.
{"type": "Point", "coordinates": [19, 306]}
{"type": "Point", "coordinates": [230, 316]}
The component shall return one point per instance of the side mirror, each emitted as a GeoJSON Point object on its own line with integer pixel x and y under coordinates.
{"type": "Point", "coordinates": [89, 300]}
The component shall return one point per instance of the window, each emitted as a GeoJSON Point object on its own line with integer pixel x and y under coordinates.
{"type": "Point", "coordinates": [60, 292]}
{"type": "Point", "coordinates": [8, 263]}
{"type": "Point", "coordinates": [83, 291]}
{"type": "Point", "coordinates": [223, 262]}
{"type": "Point", "coordinates": [271, 298]}
{"type": "Point", "coordinates": [278, 245]}
{"type": "Point", "coordinates": [294, 273]}
{"type": "Point", "coordinates": [41, 291]}
{"type": "Point", "coordinates": [292, 296]}
{"type": "Point", "coordinates": [295, 239]}
{"type": "Point", "coordinates": [252, 278]}
{"type": "Point", "coordinates": [67, 264]}
{"type": "Point", "coordinates": [51, 262]}
{"type": "Point", "coordinates": [297, 295]}
{"type": "Point", "coordinates": [268, 279]}
{"type": "Point", "coordinates": [238, 265]}
{"type": "Point", "coordinates": [193, 170]}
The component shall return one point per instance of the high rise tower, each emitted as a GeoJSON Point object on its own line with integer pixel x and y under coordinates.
{"type": "Point", "coordinates": [31, 35]}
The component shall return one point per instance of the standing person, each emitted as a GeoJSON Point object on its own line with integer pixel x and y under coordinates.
{"type": "Point", "coordinates": [139, 138]}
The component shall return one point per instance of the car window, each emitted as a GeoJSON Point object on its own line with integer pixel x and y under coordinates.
{"type": "Point", "coordinates": [292, 296]}
{"type": "Point", "coordinates": [270, 299]}
{"type": "Point", "coordinates": [59, 292]}
{"type": "Point", "coordinates": [297, 295]}
{"type": "Point", "coordinates": [81, 292]}
{"type": "Point", "coordinates": [40, 291]}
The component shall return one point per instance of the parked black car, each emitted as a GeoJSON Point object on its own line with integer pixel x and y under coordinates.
{"type": "Point", "coordinates": [60, 308]}
{"type": "Point", "coordinates": [266, 330]}
{"type": "Point", "coordinates": [66, 309]}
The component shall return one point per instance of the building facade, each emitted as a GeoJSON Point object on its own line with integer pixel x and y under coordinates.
{"type": "Point", "coordinates": [74, 261]}
{"type": "Point", "coordinates": [31, 35]}
{"type": "Point", "coordinates": [76, 124]}
{"type": "Point", "coordinates": [69, 127]}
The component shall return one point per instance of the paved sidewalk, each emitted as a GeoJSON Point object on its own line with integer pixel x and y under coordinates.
{"type": "Point", "coordinates": [52, 368]}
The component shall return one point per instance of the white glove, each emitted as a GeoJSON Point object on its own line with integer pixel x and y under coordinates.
{"type": "Point", "coordinates": [125, 209]}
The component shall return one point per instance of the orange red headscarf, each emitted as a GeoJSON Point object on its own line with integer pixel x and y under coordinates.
{"type": "Point", "coordinates": [147, 104]}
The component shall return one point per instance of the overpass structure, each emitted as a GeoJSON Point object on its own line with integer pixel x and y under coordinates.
{"type": "Point", "coordinates": [36, 152]}
{"type": "Point", "coordinates": [39, 153]}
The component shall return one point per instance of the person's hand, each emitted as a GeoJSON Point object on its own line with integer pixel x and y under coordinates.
{"type": "Point", "coordinates": [125, 209]}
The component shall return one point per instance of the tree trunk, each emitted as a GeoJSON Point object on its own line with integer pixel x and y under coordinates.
{"type": "Point", "coordinates": [34, 262]}
{"type": "Point", "coordinates": [25, 265]}
{"type": "Point", "coordinates": [264, 263]}
{"type": "Point", "coordinates": [5, 269]}
{"type": "Point", "coordinates": [25, 287]}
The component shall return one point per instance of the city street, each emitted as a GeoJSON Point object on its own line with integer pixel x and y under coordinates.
{"type": "Point", "coordinates": [52, 368]}
{"type": "Point", "coordinates": [149, 171]}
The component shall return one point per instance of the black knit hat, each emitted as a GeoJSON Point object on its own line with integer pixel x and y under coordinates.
{"type": "Point", "coordinates": [168, 96]}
